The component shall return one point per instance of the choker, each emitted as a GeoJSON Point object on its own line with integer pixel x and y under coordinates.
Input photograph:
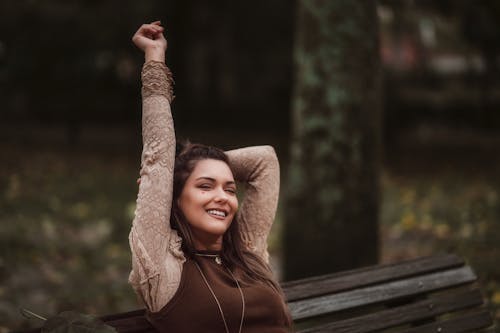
{"type": "Point", "coordinates": [216, 257]}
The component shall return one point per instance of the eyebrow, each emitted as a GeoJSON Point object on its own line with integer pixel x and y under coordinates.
{"type": "Point", "coordinates": [213, 180]}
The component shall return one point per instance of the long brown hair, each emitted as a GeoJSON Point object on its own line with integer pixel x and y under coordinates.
{"type": "Point", "coordinates": [234, 253]}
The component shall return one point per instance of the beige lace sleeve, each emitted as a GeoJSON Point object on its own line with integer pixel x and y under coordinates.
{"type": "Point", "coordinates": [258, 168]}
{"type": "Point", "coordinates": [156, 255]}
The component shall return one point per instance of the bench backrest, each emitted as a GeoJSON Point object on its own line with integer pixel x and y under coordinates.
{"type": "Point", "coordinates": [433, 294]}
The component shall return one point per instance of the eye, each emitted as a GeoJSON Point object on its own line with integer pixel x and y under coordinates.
{"type": "Point", "coordinates": [205, 186]}
{"type": "Point", "coordinates": [231, 190]}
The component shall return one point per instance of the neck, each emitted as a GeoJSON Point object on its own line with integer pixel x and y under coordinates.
{"type": "Point", "coordinates": [208, 244]}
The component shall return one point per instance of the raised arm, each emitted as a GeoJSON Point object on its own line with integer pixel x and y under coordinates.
{"type": "Point", "coordinates": [155, 263]}
{"type": "Point", "coordinates": [258, 168]}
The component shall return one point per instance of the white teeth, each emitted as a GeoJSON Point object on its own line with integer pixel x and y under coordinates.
{"type": "Point", "coordinates": [216, 212]}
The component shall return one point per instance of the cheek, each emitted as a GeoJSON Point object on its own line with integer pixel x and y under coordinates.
{"type": "Point", "coordinates": [235, 204]}
{"type": "Point", "coordinates": [186, 204]}
{"type": "Point", "coordinates": [192, 205]}
{"type": "Point", "coordinates": [193, 198]}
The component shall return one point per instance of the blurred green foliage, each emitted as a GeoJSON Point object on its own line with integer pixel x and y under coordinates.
{"type": "Point", "coordinates": [63, 241]}
{"type": "Point", "coordinates": [454, 211]}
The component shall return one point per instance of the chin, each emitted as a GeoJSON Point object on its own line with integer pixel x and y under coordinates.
{"type": "Point", "coordinates": [211, 228]}
{"type": "Point", "coordinates": [217, 228]}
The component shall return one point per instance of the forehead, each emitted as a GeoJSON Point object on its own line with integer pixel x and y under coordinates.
{"type": "Point", "coordinates": [212, 169]}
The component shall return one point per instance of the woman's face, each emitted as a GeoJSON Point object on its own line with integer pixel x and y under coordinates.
{"type": "Point", "coordinates": [209, 203]}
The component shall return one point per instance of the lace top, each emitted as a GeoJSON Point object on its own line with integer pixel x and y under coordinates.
{"type": "Point", "coordinates": [157, 258]}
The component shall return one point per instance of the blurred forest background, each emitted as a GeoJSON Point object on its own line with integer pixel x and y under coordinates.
{"type": "Point", "coordinates": [70, 132]}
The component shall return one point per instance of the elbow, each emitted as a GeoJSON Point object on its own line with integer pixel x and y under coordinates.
{"type": "Point", "coordinates": [269, 156]}
{"type": "Point", "coordinates": [268, 160]}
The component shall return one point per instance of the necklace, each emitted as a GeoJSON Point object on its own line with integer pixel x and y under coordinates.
{"type": "Point", "coordinates": [217, 300]}
{"type": "Point", "coordinates": [216, 257]}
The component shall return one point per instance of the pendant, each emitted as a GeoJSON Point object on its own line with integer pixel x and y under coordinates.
{"type": "Point", "coordinates": [218, 260]}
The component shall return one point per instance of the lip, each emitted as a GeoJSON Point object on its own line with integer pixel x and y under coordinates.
{"type": "Point", "coordinates": [217, 216]}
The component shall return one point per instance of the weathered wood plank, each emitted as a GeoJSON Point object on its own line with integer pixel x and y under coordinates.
{"type": "Point", "coordinates": [465, 323]}
{"type": "Point", "coordinates": [129, 322]}
{"type": "Point", "coordinates": [353, 279]}
{"type": "Point", "coordinates": [379, 293]}
{"type": "Point", "coordinates": [137, 324]}
{"type": "Point", "coordinates": [129, 314]}
{"type": "Point", "coordinates": [404, 314]}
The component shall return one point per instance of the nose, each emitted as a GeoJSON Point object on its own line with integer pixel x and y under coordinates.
{"type": "Point", "coordinates": [221, 195]}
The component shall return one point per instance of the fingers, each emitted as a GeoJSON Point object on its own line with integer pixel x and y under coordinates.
{"type": "Point", "coordinates": [139, 181]}
{"type": "Point", "coordinates": [153, 31]}
{"type": "Point", "coordinates": [156, 27]}
{"type": "Point", "coordinates": [150, 29]}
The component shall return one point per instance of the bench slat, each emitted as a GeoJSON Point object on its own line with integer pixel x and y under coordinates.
{"type": "Point", "coordinates": [380, 293]}
{"type": "Point", "coordinates": [465, 323]}
{"type": "Point", "coordinates": [129, 322]}
{"type": "Point", "coordinates": [121, 315]}
{"type": "Point", "coordinates": [404, 314]}
{"type": "Point", "coordinates": [354, 279]}
{"type": "Point", "coordinates": [131, 325]}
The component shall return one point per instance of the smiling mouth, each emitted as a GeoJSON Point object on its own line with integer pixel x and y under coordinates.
{"type": "Point", "coordinates": [217, 213]}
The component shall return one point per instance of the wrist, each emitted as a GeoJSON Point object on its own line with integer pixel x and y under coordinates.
{"type": "Point", "coordinates": [154, 54]}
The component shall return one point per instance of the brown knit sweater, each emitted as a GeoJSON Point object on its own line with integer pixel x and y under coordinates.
{"type": "Point", "coordinates": [160, 274]}
{"type": "Point", "coordinates": [194, 309]}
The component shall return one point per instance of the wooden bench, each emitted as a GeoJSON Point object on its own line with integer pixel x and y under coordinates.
{"type": "Point", "coordinates": [431, 294]}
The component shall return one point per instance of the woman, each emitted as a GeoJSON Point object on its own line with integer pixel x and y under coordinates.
{"type": "Point", "coordinates": [198, 263]}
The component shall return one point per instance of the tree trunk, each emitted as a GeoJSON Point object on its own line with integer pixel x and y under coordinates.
{"type": "Point", "coordinates": [333, 192]}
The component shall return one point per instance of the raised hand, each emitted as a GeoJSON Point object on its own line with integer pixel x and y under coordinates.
{"type": "Point", "coordinates": [149, 38]}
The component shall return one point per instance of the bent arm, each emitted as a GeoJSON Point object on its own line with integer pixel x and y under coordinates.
{"type": "Point", "coordinates": [155, 267]}
{"type": "Point", "coordinates": [258, 168]}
